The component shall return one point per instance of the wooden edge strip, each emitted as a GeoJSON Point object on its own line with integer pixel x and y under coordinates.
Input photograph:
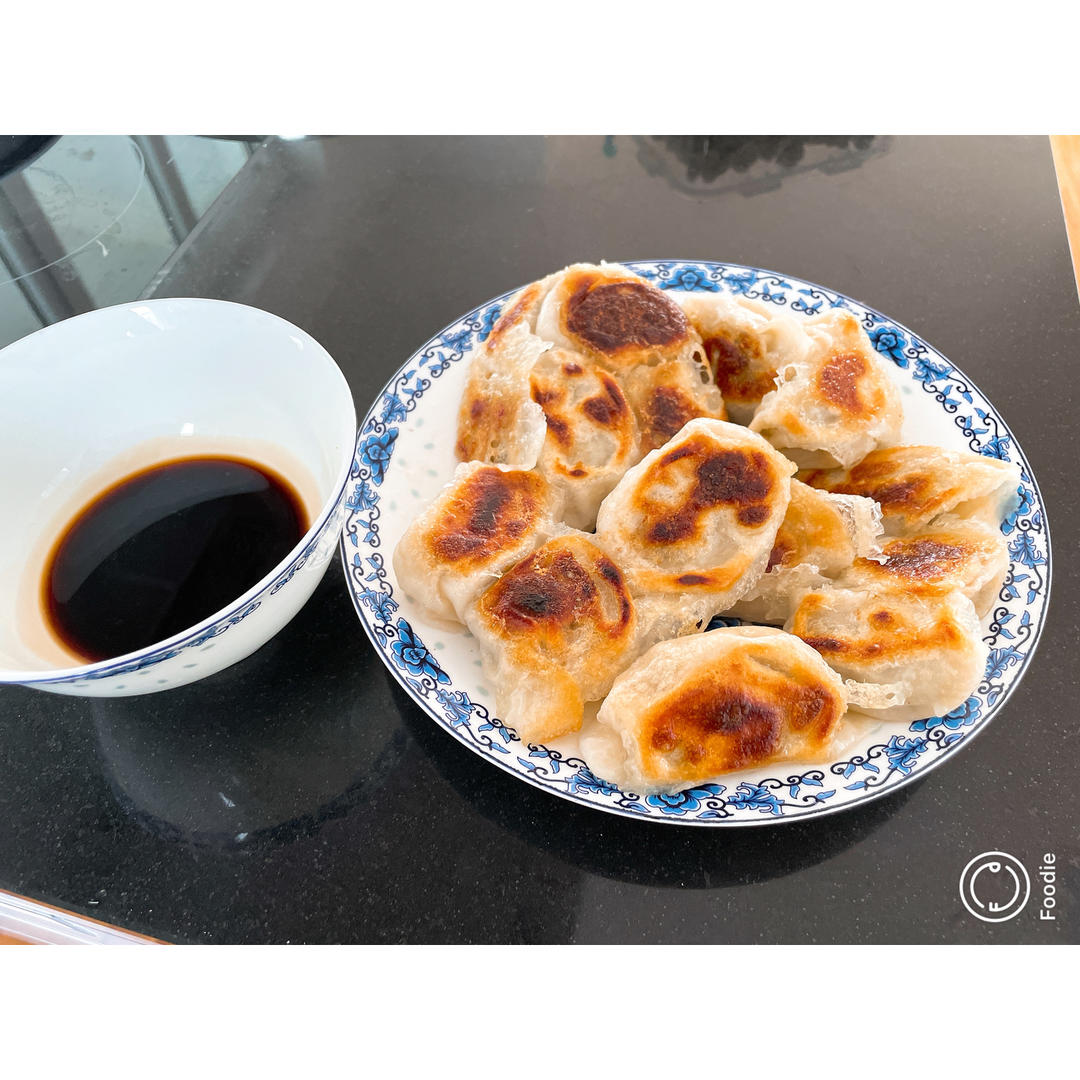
{"type": "Point", "coordinates": [31, 922]}
{"type": "Point", "coordinates": [1066, 151]}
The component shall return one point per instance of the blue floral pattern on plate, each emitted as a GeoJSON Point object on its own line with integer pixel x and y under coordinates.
{"type": "Point", "coordinates": [899, 754]}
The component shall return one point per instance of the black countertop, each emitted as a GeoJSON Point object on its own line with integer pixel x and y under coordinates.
{"type": "Point", "coordinates": [300, 796]}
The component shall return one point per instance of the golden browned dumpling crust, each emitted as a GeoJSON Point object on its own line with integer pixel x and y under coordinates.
{"type": "Point", "coordinates": [836, 403]}
{"type": "Point", "coordinates": [905, 654]}
{"type": "Point", "coordinates": [667, 396]}
{"type": "Point", "coordinates": [950, 554]}
{"type": "Point", "coordinates": [674, 424]}
{"type": "Point", "coordinates": [613, 315]}
{"type": "Point", "coordinates": [822, 529]}
{"type": "Point", "coordinates": [521, 310]}
{"type": "Point", "coordinates": [738, 362]}
{"type": "Point", "coordinates": [692, 709]}
{"type": "Point", "coordinates": [554, 631]}
{"type": "Point", "coordinates": [820, 537]}
{"type": "Point", "coordinates": [915, 484]}
{"type": "Point", "coordinates": [490, 510]}
{"type": "Point", "coordinates": [485, 520]}
{"type": "Point", "coordinates": [620, 317]}
{"type": "Point", "coordinates": [695, 521]}
{"type": "Point", "coordinates": [498, 422]}
{"type": "Point", "coordinates": [592, 436]}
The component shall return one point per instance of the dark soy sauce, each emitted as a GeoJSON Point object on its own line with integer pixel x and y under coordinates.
{"type": "Point", "coordinates": [164, 548]}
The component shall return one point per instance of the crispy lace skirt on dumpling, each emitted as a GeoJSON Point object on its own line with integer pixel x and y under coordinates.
{"type": "Point", "coordinates": [903, 656]}
{"type": "Point", "coordinates": [745, 342]}
{"type": "Point", "coordinates": [486, 519]}
{"type": "Point", "coordinates": [554, 631]}
{"type": "Point", "coordinates": [836, 403]}
{"type": "Point", "coordinates": [820, 537]}
{"type": "Point", "coordinates": [692, 525]}
{"type": "Point", "coordinates": [695, 708]}
{"type": "Point", "coordinates": [915, 484]}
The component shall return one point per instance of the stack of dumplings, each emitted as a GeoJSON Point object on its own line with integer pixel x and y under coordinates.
{"type": "Point", "coordinates": [634, 463]}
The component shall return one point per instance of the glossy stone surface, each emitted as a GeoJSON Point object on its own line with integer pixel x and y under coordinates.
{"type": "Point", "coordinates": [300, 796]}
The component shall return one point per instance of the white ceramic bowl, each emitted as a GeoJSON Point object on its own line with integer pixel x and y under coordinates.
{"type": "Point", "coordinates": [91, 400]}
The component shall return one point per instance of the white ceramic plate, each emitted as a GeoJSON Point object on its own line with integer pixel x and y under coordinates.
{"type": "Point", "coordinates": [405, 454]}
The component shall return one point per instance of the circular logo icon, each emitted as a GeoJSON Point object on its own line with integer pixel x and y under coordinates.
{"type": "Point", "coordinates": [995, 886]}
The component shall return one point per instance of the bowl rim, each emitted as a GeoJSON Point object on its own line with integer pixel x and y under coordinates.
{"type": "Point", "coordinates": [100, 669]}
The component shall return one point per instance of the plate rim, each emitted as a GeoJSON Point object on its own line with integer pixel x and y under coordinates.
{"type": "Point", "coordinates": [819, 810]}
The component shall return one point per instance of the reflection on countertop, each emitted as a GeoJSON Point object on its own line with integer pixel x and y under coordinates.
{"type": "Point", "coordinates": [750, 164]}
{"type": "Point", "coordinates": [641, 852]}
{"type": "Point", "coordinates": [263, 776]}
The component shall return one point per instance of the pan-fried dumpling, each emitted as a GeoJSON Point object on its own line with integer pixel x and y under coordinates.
{"type": "Point", "coordinates": [915, 484]}
{"type": "Point", "coordinates": [498, 421]}
{"type": "Point", "coordinates": [903, 655]}
{"type": "Point", "coordinates": [592, 438]}
{"type": "Point", "coordinates": [695, 708]}
{"type": "Point", "coordinates": [950, 554]}
{"type": "Point", "coordinates": [522, 309]}
{"type": "Point", "coordinates": [693, 524]}
{"type": "Point", "coordinates": [554, 631]}
{"type": "Point", "coordinates": [614, 316]}
{"type": "Point", "coordinates": [667, 395]}
{"type": "Point", "coordinates": [820, 537]}
{"type": "Point", "coordinates": [483, 521]}
{"type": "Point", "coordinates": [746, 342]}
{"type": "Point", "coordinates": [835, 404]}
